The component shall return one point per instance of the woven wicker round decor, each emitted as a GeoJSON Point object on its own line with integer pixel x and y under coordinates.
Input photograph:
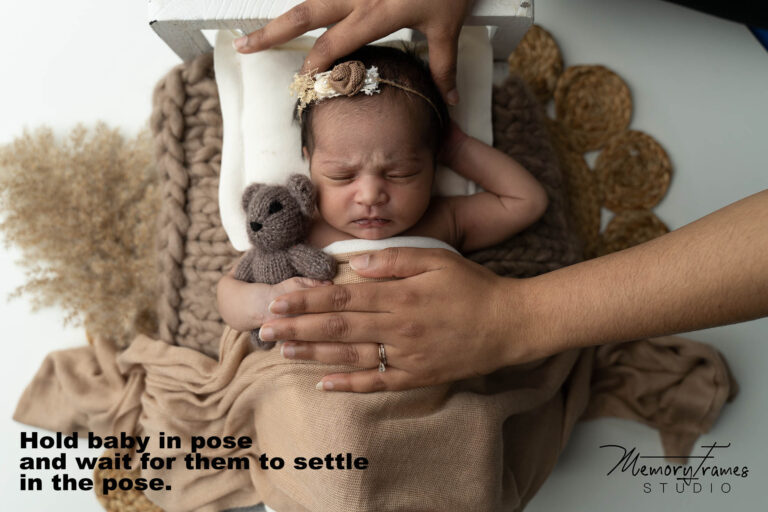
{"type": "Point", "coordinates": [538, 60]}
{"type": "Point", "coordinates": [593, 109]}
{"type": "Point", "coordinates": [634, 171]}
{"type": "Point", "coordinates": [594, 103]}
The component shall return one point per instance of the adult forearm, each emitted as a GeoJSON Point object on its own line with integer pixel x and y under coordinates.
{"type": "Point", "coordinates": [455, 319]}
{"type": "Point", "coordinates": [711, 272]}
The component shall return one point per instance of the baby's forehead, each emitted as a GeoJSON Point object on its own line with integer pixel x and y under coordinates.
{"type": "Point", "coordinates": [362, 109]}
{"type": "Point", "coordinates": [340, 125]}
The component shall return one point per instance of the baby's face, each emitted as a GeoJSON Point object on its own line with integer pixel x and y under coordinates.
{"type": "Point", "coordinates": [371, 168]}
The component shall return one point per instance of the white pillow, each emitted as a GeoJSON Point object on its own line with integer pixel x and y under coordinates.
{"type": "Point", "coordinates": [262, 143]}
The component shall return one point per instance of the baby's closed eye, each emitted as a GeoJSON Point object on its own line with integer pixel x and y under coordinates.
{"type": "Point", "coordinates": [393, 175]}
{"type": "Point", "coordinates": [340, 177]}
{"type": "Point", "coordinates": [402, 174]}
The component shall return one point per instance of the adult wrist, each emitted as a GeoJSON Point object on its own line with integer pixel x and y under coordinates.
{"type": "Point", "coordinates": [527, 328]}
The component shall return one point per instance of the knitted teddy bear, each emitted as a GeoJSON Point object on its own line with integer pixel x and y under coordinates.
{"type": "Point", "coordinates": [277, 220]}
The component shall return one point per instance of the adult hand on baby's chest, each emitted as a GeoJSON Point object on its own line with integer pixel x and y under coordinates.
{"type": "Point", "coordinates": [446, 319]}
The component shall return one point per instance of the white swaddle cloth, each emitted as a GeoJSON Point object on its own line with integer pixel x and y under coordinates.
{"type": "Point", "coordinates": [261, 143]}
{"type": "Point", "coordinates": [361, 245]}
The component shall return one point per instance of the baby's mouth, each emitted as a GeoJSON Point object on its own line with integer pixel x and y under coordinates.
{"type": "Point", "coordinates": [372, 222]}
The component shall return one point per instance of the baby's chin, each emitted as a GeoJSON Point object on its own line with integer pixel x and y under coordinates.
{"type": "Point", "coordinates": [374, 233]}
{"type": "Point", "coordinates": [374, 236]}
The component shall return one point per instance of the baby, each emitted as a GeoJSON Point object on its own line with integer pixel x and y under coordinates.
{"type": "Point", "coordinates": [373, 149]}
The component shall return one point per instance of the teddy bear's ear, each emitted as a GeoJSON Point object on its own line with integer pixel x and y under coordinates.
{"type": "Point", "coordinates": [303, 191]}
{"type": "Point", "coordinates": [249, 193]}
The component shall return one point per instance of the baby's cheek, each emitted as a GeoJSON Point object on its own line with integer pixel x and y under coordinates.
{"type": "Point", "coordinates": [322, 207]}
{"type": "Point", "coordinates": [330, 205]}
{"type": "Point", "coordinates": [321, 196]}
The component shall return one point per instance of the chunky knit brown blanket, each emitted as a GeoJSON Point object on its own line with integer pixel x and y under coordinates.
{"type": "Point", "coordinates": [487, 443]}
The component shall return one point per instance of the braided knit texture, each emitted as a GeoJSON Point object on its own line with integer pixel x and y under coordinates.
{"type": "Point", "coordinates": [193, 249]}
{"type": "Point", "coordinates": [519, 130]}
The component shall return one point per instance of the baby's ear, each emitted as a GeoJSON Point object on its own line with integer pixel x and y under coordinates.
{"type": "Point", "coordinates": [303, 191]}
{"type": "Point", "coordinates": [250, 191]}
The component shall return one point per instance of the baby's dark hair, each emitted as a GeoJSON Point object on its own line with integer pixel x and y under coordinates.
{"type": "Point", "coordinates": [404, 67]}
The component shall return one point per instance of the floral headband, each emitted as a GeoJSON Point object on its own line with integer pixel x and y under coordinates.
{"type": "Point", "coordinates": [345, 79]}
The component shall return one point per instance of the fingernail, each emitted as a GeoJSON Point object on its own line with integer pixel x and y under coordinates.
{"type": "Point", "coordinates": [240, 43]}
{"type": "Point", "coordinates": [278, 307]}
{"type": "Point", "coordinates": [266, 334]}
{"type": "Point", "coordinates": [360, 262]}
{"type": "Point", "coordinates": [287, 351]}
{"type": "Point", "coordinates": [452, 97]}
{"type": "Point", "coordinates": [324, 386]}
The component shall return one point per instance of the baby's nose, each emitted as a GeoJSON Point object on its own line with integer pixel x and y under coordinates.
{"type": "Point", "coordinates": [371, 191]}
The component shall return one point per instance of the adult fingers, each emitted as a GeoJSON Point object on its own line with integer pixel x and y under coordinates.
{"type": "Point", "coordinates": [360, 355]}
{"type": "Point", "coordinates": [370, 297]}
{"type": "Point", "coordinates": [289, 285]}
{"type": "Point", "coordinates": [401, 262]}
{"type": "Point", "coordinates": [300, 283]}
{"type": "Point", "coordinates": [361, 297]}
{"type": "Point", "coordinates": [367, 381]}
{"type": "Point", "coordinates": [351, 33]}
{"type": "Point", "coordinates": [443, 50]}
{"type": "Point", "coordinates": [302, 18]}
{"type": "Point", "coordinates": [346, 327]}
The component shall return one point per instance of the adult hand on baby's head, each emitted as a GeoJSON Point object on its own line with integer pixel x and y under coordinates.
{"type": "Point", "coordinates": [358, 22]}
{"type": "Point", "coordinates": [448, 319]}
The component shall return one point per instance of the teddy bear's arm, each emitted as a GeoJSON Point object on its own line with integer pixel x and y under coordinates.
{"type": "Point", "coordinates": [311, 262]}
{"type": "Point", "coordinates": [244, 270]}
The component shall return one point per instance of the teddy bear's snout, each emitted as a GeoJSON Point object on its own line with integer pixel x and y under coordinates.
{"type": "Point", "coordinates": [255, 226]}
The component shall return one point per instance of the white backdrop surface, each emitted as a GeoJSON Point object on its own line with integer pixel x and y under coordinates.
{"type": "Point", "coordinates": [699, 87]}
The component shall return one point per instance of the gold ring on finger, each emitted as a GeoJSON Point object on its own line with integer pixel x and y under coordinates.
{"type": "Point", "coordinates": [382, 358]}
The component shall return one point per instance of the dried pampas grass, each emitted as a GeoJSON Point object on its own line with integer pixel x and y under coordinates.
{"type": "Point", "coordinates": [83, 212]}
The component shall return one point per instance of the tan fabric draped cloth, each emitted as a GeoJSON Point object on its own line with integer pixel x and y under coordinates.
{"type": "Point", "coordinates": [486, 443]}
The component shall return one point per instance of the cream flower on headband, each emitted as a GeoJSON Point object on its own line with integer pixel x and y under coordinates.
{"type": "Point", "coordinates": [345, 79]}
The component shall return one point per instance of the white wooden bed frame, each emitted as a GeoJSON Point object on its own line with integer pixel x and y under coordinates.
{"type": "Point", "coordinates": [180, 22]}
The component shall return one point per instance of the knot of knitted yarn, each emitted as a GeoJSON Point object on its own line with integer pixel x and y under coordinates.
{"type": "Point", "coordinates": [348, 77]}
